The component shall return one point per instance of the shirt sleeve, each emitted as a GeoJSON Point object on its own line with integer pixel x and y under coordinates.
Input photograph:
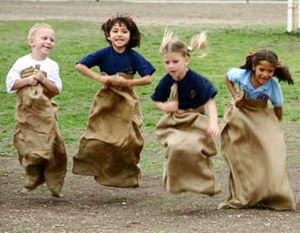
{"type": "Point", "coordinates": [92, 59]}
{"type": "Point", "coordinates": [53, 75]}
{"type": "Point", "coordinates": [12, 76]}
{"type": "Point", "coordinates": [206, 90]}
{"type": "Point", "coordinates": [142, 66]}
{"type": "Point", "coordinates": [234, 75]}
{"type": "Point", "coordinates": [163, 90]}
{"type": "Point", "coordinates": [276, 97]}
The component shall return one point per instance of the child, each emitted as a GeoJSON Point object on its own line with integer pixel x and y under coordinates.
{"type": "Point", "coordinates": [252, 141]}
{"type": "Point", "coordinates": [35, 79]}
{"type": "Point", "coordinates": [185, 130]}
{"type": "Point", "coordinates": [111, 145]}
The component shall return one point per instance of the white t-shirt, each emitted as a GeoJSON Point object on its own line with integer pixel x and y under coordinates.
{"type": "Point", "coordinates": [48, 65]}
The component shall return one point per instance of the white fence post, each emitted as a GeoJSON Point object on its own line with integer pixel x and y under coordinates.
{"type": "Point", "coordinates": [298, 14]}
{"type": "Point", "coordinates": [290, 9]}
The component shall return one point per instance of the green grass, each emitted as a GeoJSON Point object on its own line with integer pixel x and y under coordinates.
{"type": "Point", "coordinates": [227, 48]}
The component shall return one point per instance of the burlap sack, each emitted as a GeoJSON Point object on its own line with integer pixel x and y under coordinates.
{"type": "Point", "coordinates": [189, 151]}
{"type": "Point", "coordinates": [253, 144]}
{"type": "Point", "coordinates": [39, 144]}
{"type": "Point", "coordinates": [112, 142]}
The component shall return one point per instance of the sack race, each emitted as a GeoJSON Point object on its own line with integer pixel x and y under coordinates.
{"type": "Point", "coordinates": [37, 138]}
{"type": "Point", "coordinates": [112, 142]}
{"type": "Point", "coordinates": [253, 145]}
{"type": "Point", "coordinates": [188, 151]}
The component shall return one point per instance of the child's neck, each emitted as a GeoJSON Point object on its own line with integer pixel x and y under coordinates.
{"type": "Point", "coordinates": [119, 50]}
{"type": "Point", "coordinates": [38, 57]}
{"type": "Point", "coordinates": [254, 82]}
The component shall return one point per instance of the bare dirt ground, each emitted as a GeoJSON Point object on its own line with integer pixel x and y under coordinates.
{"type": "Point", "coordinates": [149, 13]}
{"type": "Point", "coordinates": [88, 207]}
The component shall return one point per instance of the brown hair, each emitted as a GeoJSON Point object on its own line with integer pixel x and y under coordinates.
{"type": "Point", "coordinates": [281, 71]}
{"type": "Point", "coordinates": [135, 35]}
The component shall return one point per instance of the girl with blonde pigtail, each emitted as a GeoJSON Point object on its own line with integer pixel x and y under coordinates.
{"type": "Point", "coordinates": [190, 125]}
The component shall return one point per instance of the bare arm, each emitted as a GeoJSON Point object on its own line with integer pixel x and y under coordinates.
{"type": "Point", "coordinates": [230, 86]}
{"type": "Point", "coordinates": [46, 83]}
{"type": "Point", "coordinates": [92, 74]}
{"type": "Point", "coordinates": [170, 106]}
{"type": "Point", "coordinates": [278, 112]}
{"type": "Point", "coordinates": [146, 80]}
{"type": "Point", "coordinates": [123, 82]}
{"type": "Point", "coordinates": [20, 83]}
{"type": "Point", "coordinates": [237, 96]}
{"type": "Point", "coordinates": [213, 128]}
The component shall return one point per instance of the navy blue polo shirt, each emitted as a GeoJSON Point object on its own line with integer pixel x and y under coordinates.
{"type": "Point", "coordinates": [111, 62]}
{"type": "Point", "coordinates": [194, 90]}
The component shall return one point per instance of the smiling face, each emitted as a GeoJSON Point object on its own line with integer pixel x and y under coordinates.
{"type": "Point", "coordinates": [41, 43]}
{"type": "Point", "coordinates": [262, 73]}
{"type": "Point", "coordinates": [119, 37]}
{"type": "Point", "coordinates": [176, 65]}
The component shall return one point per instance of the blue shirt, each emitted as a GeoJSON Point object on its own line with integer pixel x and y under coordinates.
{"type": "Point", "coordinates": [193, 90]}
{"type": "Point", "coordinates": [111, 62]}
{"type": "Point", "coordinates": [270, 90]}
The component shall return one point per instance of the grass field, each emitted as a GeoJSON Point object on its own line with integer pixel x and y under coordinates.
{"type": "Point", "coordinates": [227, 48]}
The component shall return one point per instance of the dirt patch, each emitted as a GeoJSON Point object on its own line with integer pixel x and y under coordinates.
{"type": "Point", "coordinates": [88, 207]}
{"type": "Point", "coordinates": [149, 13]}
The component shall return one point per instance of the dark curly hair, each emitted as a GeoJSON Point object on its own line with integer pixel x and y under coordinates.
{"type": "Point", "coordinates": [281, 71]}
{"type": "Point", "coordinates": [135, 35]}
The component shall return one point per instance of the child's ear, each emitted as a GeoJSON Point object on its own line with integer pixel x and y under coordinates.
{"type": "Point", "coordinates": [187, 60]}
{"type": "Point", "coordinates": [30, 42]}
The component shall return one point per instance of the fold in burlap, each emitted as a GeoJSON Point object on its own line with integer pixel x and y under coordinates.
{"type": "Point", "coordinates": [37, 139]}
{"type": "Point", "coordinates": [189, 150]}
{"type": "Point", "coordinates": [111, 145]}
{"type": "Point", "coordinates": [253, 144]}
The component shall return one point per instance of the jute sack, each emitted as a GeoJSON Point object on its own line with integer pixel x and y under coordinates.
{"type": "Point", "coordinates": [189, 151]}
{"type": "Point", "coordinates": [37, 138]}
{"type": "Point", "coordinates": [253, 145]}
{"type": "Point", "coordinates": [112, 142]}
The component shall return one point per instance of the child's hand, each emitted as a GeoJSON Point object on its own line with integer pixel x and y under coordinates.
{"type": "Point", "coordinates": [213, 130]}
{"type": "Point", "coordinates": [31, 81]}
{"type": "Point", "coordinates": [106, 81]}
{"type": "Point", "coordinates": [238, 99]}
{"type": "Point", "coordinates": [39, 76]}
{"type": "Point", "coordinates": [119, 81]}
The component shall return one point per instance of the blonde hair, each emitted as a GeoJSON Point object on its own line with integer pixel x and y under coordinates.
{"type": "Point", "coordinates": [171, 43]}
{"type": "Point", "coordinates": [36, 27]}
